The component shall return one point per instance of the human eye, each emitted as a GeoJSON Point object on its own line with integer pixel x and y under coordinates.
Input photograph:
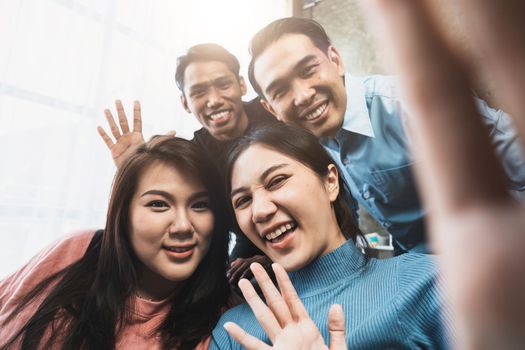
{"type": "Point", "coordinates": [278, 93]}
{"type": "Point", "coordinates": [197, 93]}
{"type": "Point", "coordinates": [225, 84]}
{"type": "Point", "coordinates": [276, 181]}
{"type": "Point", "coordinates": [201, 205]}
{"type": "Point", "coordinates": [309, 70]}
{"type": "Point", "coordinates": [241, 202]}
{"type": "Point", "coordinates": [157, 205]}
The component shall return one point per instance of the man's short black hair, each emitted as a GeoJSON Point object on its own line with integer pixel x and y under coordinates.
{"type": "Point", "coordinates": [277, 29]}
{"type": "Point", "coordinates": [205, 52]}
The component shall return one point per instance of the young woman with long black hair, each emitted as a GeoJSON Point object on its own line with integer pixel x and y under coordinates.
{"type": "Point", "coordinates": [153, 278]}
{"type": "Point", "coordinates": [289, 200]}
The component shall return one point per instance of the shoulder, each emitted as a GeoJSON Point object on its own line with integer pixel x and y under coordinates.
{"type": "Point", "coordinates": [418, 282]}
{"type": "Point", "coordinates": [420, 299]}
{"type": "Point", "coordinates": [414, 269]}
{"type": "Point", "coordinates": [52, 259]}
{"type": "Point", "coordinates": [256, 112]}
{"type": "Point", "coordinates": [381, 86]}
{"type": "Point", "coordinates": [243, 316]}
{"type": "Point", "coordinates": [200, 136]}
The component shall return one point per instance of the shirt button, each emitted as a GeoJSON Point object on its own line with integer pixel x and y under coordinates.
{"type": "Point", "coordinates": [387, 224]}
{"type": "Point", "coordinates": [366, 194]}
{"type": "Point", "coordinates": [346, 161]}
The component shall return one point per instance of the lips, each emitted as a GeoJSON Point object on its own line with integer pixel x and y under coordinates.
{"type": "Point", "coordinates": [278, 236]}
{"type": "Point", "coordinates": [220, 117]}
{"type": "Point", "coordinates": [179, 252]}
{"type": "Point", "coordinates": [280, 230]}
{"type": "Point", "coordinates": [315, 112]}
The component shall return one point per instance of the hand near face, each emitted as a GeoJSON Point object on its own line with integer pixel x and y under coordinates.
{"type": "Point", "coordinates": [284, 318]}
{"type": "Point", "coordinates": [126, 141]}
{"type": "Point", "coordinates": [474, 224]}
{"type": "Point", "coordinates": [240, 267]}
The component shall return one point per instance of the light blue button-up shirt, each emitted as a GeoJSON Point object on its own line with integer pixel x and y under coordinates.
{"type": "Point", "coordinates": [371, 151]}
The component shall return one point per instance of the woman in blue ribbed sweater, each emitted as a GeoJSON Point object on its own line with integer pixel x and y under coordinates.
{"type": "Point", "coordinates": [288, 198]}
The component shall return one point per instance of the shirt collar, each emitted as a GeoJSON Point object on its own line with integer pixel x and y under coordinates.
{"type": "Point", "coordinates": [328, 269]}
{"type": "Point", "coordinates": [356, 117]}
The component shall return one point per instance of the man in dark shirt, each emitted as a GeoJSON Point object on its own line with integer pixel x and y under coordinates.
{"type": "Point", "coordinates": [211, 89]}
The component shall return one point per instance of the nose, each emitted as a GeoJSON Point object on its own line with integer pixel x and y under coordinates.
{"type": "Point", "coordinates": [262, 208]}
{"type": "Point", "coordinates": [181, 226]}
{"type": "Point", "coordinates": [214, 98]}
{"type": "Point", "coordinates": [303, 93]}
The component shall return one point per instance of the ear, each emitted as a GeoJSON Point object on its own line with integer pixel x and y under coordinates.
{"type": "Point", "coordinates": [269, 108]}
{"type": "Point", "coordinates": [332, 182]}
{"type": "Point", "coordinates": [335, 59]}
{"type": "Point", "coordinates": [184, 103]}
{"type": "Point", "coordinates": [242, 83]}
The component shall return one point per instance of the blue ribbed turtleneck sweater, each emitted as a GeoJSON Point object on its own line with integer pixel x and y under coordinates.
{"type": "Point", "coordinates": [388, 304]}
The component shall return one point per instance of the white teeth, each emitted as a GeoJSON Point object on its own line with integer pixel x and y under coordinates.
{"type": "Point", "coordinates": [279, 231]}
{"type": "Point", "coordinates": [178, 250]}
{"type": "Point", "coordinates": [218, 115]}
{"type": "Point", "coordinates": [317, 112]}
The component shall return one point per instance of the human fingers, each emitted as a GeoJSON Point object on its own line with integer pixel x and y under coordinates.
{"type": "Point", "coordinates": [123, 121]}
{"type": "Point", "coordinates": [246, 340]}
{"type": "Point", "coordinates": [498, 29]}
{"type": "Point", "coordinates": [452, 169]}
{"type": "Point", "coordinates": [297, 309]}
{"type": "Point", "coordinates": [262, 312]}
{"type": "Point", "coordinates": [337, 328]}
{"type": "Point", "coordinates": [107, 140]}
{"type": "Point", "coordinates": [273, 298]}
{"type": "Point", "coordinates": [171, 133]}
{"type": "Point", "coordinates": [112, 126]}
{"type": "Point", "coordinates": [137, 117]}
{"type": "Point", "coordinates": [237, 269]}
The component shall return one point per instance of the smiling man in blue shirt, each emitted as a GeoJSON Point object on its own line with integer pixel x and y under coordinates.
{"type": "Point", "coordinates": [301, 79]}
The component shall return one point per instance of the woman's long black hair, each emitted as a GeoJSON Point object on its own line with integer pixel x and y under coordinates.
{"type": "Point", "coordinates": [88, 302]}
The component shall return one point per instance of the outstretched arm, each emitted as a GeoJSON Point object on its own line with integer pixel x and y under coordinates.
{"type": "Point", "coordinates": [474, 223]}
{"type": "Point", "coordinates": [284, 317]}
{"type": "Point", "coordinates": [126, 141]}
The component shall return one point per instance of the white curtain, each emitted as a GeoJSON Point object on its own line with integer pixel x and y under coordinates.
{"type": "Point", "coordinates": [62, 63]}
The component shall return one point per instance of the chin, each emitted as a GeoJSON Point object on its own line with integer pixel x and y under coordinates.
{"type": "Point", "coordinates": [290, 266]}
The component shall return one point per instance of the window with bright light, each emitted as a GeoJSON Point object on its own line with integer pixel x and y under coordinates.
{"type": "Point", "coordinates": [62, 63]}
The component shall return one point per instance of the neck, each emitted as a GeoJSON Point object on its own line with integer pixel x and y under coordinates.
{"type": "Point", "coordinates": [337, 239]}
{"type": "Point", "coordinates": [153, 287]}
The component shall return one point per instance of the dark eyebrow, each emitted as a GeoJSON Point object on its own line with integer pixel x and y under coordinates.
{"type": "Point", "coordinates": [302, 62]}
{"type": "Point", "coordinates": [158, 193]}
{"type": "Point", "coordinates": [199, 86]}
{"type": "Point", "coordinates": [219, 80]}
{"type": "Point", "coordinates": [222, 79]}
{"type": "Point", "coordinates": [169, 196]}
{"type": "Point", "coordinates": [263, 177]}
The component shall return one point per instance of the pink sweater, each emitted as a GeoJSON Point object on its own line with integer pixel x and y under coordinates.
{"type": "Point", "coordinates": [137, 334]}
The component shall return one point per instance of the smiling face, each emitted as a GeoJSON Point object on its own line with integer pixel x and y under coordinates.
{"type": "Point", "coordinates": [171, 228]}
{"type": "Point", "coordinates": [212, 93]}
{"type": "Point", "coordinates": [284, 207]}
{"type": "Point", "coordinates": [302, 85]}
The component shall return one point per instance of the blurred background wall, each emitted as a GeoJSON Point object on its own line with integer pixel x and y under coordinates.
{"type": "Point", "coordinates": [62, 63]}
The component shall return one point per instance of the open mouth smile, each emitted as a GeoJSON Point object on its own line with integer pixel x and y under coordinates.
{"type": "Point", "coordinates": [316, 113]}
{"type": "Point", "coordinates": [281, 232]}
{"type": "Point", "coordinates": [220, 116]}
